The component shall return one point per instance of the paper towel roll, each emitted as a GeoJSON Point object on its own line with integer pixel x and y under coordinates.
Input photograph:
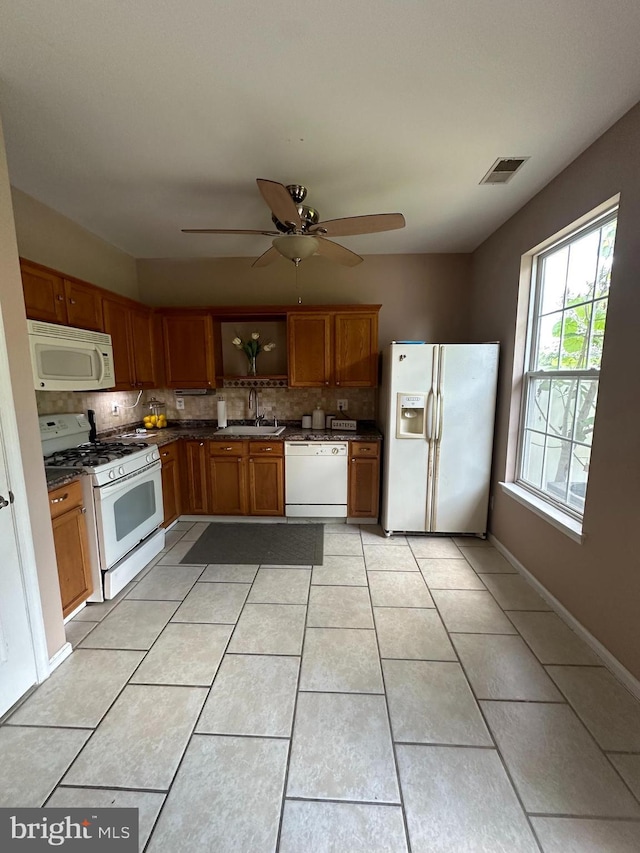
{"type": "Point", "coordinates": [222, 414]}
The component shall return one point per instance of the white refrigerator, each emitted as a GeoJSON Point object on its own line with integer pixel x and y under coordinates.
{"type": "Point", "coordinates": [436, 411]}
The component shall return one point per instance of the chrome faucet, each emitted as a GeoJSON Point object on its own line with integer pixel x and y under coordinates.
{"type": "Point", "coordinates": [254, 402]}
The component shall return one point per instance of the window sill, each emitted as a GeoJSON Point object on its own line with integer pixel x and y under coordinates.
{"type": "Point", "coordinates": [563, 522]}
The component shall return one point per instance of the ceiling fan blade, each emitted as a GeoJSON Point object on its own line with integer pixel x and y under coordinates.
{"type": "Point", "coordinates": [279, 201]}
{"type": "Point", "coordinates": [266, 258]}
{"type": "Point", "coordinates": [227, 231]}
{"type": "Point", "coordinates": [338, 253]}
{"type": "Point", "coordinates": [359, 225]}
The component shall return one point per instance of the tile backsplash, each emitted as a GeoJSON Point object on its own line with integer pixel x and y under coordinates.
{"type": "Point", "coordinates": [287, 404]}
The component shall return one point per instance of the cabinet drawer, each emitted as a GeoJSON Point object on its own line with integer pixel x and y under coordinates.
{"type": "Point", "coordinates": [169, 452]}
{"type": "Point", "coordinates": [370, 449]}
{"type": "Point", "coordinates": [65, 498]}
{"type": "Point", "coordinates": [227, 448]}
{"type": "Point", "coordinates": [266, 448]}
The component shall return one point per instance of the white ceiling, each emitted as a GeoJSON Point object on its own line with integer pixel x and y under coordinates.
{"type": "Point", "coordinates": [137, 119]}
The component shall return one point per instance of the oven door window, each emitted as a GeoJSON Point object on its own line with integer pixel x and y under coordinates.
{"type": "Point", "coordinates": [133, 508]}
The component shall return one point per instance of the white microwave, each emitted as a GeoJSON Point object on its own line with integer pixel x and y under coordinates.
{"type": "Point", "coordinates": [68, 359]}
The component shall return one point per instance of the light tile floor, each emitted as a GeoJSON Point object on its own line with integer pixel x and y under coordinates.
{"type": "Point", "coordinates": [410, 694]}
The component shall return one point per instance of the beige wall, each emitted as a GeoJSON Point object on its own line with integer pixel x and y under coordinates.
{"type": "Point", "coordinates": [15, 328]}
{"type": "Point", "coordinates": [49, 238]}
{"type": "Point", "coordinates": [599, 580]}
{"type": "Point", "coordinates": [423, 297]}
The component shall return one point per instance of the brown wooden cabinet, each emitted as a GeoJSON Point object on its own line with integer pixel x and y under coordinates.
{"type": "Point", "coordinates": [189, 352]}
{"type": "Point", "coordinates": [334, 348]}
{"type": "Point", "coordinates": [130, 327]}
{"type": "Point", "coordinates": [228, 478]}
{"type": "Point", "coordinates": [309, 337]}
{"type": "Point", "coordinates": [364, 479]}
{"type": "Point", "coordinates": [266, 478]}
{"type": "Point", "coordinates": [72, 550]}
{"type": "Point", "coordinates": [53, 298]}
{"type": "Point", "coordinates": [194, 479]}
{"type": "Point", "coordinates": [84, 305]}
{"type": "Point", "coordinates": [171, 497]}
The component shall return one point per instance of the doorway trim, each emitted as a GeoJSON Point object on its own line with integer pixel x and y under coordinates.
{"type": "Point", "coordinates": [24, 535]}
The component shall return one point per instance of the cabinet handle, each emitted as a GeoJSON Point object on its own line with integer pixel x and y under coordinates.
{"type": "Point", "coordinates": [59, 500]}
{"type": "Point", "coordinates": [337, 383]}
{"type": "Point", "coordinates": [202, 444]}
{"type": "Point", "coordinates": [228, 448]}
{"type": "Point", "coordinates": [364, 450]}
{"type": "Point", "coordinates": [83, 510]}
{"type": "Point", "coordinates": [326, 382]}
{"type": "Point", "coordinates": [60, 298]}
{"type": "Point", "coordinates": [265, 449]}
{"type": "Point", "coordinates": [72, 301]}
{"type": "Point", "coordinates": [165, 453]}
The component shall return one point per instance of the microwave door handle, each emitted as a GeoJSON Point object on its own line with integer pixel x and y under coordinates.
{"type": "Point", "coordinates": [101, 363]}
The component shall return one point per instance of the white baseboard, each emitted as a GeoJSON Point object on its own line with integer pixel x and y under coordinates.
{"type": "Point", "coordinates": [61, 655]}
{"type": "Point", "coordinates": [612, 663]}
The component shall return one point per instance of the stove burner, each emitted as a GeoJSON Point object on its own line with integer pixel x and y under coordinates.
{"type": "Point", "coordinates": [94, 454]}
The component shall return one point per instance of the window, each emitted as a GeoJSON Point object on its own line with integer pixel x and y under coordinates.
{"type": "Point", "coordinates": [570, 289]}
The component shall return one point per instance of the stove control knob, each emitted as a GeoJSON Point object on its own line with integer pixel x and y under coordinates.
{"type": "Point", "coordinates": [121, 471]}
{"type": "Point", "coordinates": [112, 474]}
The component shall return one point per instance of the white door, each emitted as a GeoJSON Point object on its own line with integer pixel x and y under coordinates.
{"type": "Point", "coordinates": [464, 431]}
{"type": "Point", "coordinates": [17, 658]}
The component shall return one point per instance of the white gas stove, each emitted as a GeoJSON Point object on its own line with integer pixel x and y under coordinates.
{"type": "Point", "coordinates": [122, 495]}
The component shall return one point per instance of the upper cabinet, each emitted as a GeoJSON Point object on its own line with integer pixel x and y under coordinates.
{"type": "Point", "coordinates": [55, 299]}
{"type": "Point", "coordinates": [309, 346]}
{"type": "Point", "coordinates": [131, 330]}
{"type": "Point", "coordinates": [189, 348]}
{"type": "Point", "coordinates": [334, 348]}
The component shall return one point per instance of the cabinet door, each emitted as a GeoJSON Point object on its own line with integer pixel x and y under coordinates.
{"type": "Point", "coordinates": [43, 294]}
{"type": "Point", "coordinates": [228, 485]}
{"type": "Point", "coordinates": [266, 485]}
{"type": "Point", "coordinates": [72, 555]}
{"type": "Point", "coordinates": [194, 478]}
{"type": "Point", "coordinates": [188, 350]}
{"type": "Point", "coordinates": [84, 305]}
{"type": "Point", "coordinates": [356, 350]}
{"type": "Point", "coordinates": [364, 479]}
{"type": "Point", "coordinates": [171, 497]}
{"type": "Point", "coordinates": [140, 321]}
{"type": "Point", "coordinates": [309, 347]}
{"type": "Point", "coordinates": [116, 324]}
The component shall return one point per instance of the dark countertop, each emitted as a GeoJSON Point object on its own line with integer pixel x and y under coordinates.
{"type": "Point", "coordinates": [57, 477]}
{"type": "Point", "coordinates": [365, 431]}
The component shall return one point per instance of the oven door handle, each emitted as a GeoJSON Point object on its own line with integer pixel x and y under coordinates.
{"type": "Point", "coordinates": [109, 489]}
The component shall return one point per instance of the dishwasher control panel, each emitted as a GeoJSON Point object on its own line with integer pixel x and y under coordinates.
{"type": "Point", "coordinates": [315, 448]}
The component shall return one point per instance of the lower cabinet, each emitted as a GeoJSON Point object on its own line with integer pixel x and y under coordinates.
{"type": "Point", "coordinates": [266, 478]}
{"type": "Point", "coordinates": [171, 497]}
{"type": "Point", "coordinates": [364, 479]}
{"type": "Point", "coordinates": [195, 491]}
{"type": "Point", "coordinates": [228, 478]}
{"type": "Point", "coordinates": [72, 550]}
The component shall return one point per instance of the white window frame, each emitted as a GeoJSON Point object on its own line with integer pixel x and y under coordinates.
{"type": "Point", "coordinates": [557, 512]}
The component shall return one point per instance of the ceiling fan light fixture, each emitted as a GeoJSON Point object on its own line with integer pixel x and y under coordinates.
{"type": "Point", "coordinates": [296, 247]}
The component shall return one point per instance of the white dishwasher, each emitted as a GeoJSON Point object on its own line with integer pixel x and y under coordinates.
{"type": "Point", "coordinates": [315, 477]}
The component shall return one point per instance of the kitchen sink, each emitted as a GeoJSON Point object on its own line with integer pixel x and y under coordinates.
{"type": "Point", "coordinates": [238, 429]}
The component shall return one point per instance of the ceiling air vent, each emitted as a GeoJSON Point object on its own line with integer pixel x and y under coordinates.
{"type": "Point", "coordinates": [503, 170]}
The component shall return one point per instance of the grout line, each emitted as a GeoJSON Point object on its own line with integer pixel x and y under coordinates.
{"type": "Point", "coordinates": [244, 735]}
{"type": "Point", "coordinates": [109, 788]}
{"type": "Point", "coordinates": [293, 720]}
{"type": "Point", "coordinates": [491, 735]}
{"type": "Point", "coordinates": [299, 799]}
{"type": "Point", "coordinates": [393, 744]}
{"type": "Point", "coordinates": [585, 817]}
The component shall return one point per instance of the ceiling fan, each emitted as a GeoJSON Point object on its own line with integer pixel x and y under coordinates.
{"type": "Point", "coordinates": [300, 233]}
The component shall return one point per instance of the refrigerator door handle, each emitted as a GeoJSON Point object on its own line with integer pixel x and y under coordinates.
{"type": "Point", "coordinates": [429, 419]}
{"type": "Point", "coordinates": [440, 413]}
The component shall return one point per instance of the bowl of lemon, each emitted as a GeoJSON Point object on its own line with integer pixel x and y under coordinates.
{"type": "Point", "coordinates": [154, 421]}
